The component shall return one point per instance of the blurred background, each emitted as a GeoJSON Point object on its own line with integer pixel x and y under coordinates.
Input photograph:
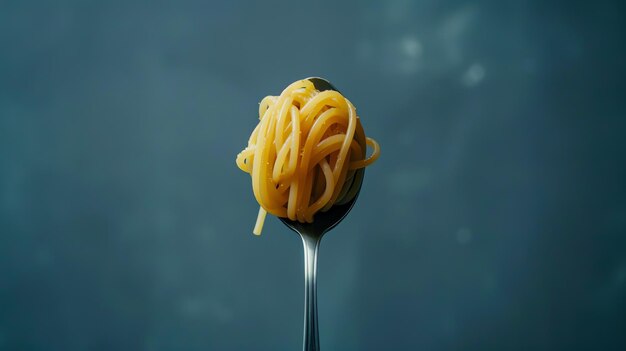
{"type": "Point", "coordinates": [495, 218]}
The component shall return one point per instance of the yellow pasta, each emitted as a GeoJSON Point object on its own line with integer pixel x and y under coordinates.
{"type": "Point", "coordinates": [304, 152]}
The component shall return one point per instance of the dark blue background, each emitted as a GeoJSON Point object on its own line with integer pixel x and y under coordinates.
{"type": "Point", "coordinates": [495, 218]}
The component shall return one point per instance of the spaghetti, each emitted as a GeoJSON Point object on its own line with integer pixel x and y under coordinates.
{"type": "Point", "coordinates": [304, 153]}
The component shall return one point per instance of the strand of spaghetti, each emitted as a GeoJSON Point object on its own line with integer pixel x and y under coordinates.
{"type": "Point", "coordinates": [295, 142]}
{"type": "Point", "coordinates": [368, 161]}
{"type": "Point", "coordinates": [330, 187]}
{"type": "Point", "coordinates": [260, 220]}
{"type": "Point", "coordinates": [330, 145]}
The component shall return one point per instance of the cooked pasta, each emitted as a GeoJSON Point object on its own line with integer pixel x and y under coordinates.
{"type": "Point", "coordinates": [304, 152]}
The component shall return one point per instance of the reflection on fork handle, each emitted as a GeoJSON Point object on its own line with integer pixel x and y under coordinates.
{"type": "Point", "coordinates": [311, 335]}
